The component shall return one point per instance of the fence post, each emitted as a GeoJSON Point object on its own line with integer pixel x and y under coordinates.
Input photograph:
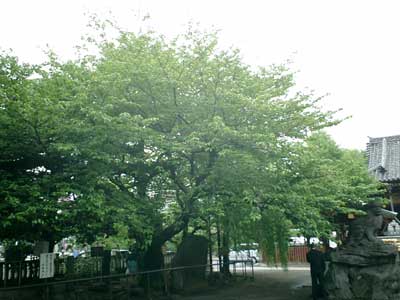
{"type": "Point", "coordinates": [75, 290]}
{"type": "Point", "coordinates": [252, 270]}
{"type": "Point", "coordinates": [46, 291]}
{"type": "Point", "coordinates": [110, 287]}
{"type": "Point", "coordinates": [5, 273]}
{"type": "Point", "coordinates": [2, 272]}
{"type": "Point", "coordinates": [19, 273]}
{"type": "Point", "coordinates": [166, 282]}
{"type": "Point", "coordinates": [127, 287]}
{"type": "Point", "coordinates": [148, 286]}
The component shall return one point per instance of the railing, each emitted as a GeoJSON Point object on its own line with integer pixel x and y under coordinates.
{"type": "Point", "coordinates": [297, 254]}
{"type": "Point", "coordinates": [17, 273]}
{"type": "Point", "coordinates": [242, 270]}
{"type": "Point", "coordinates": [119, 285]}
{"type": "Point", "coordinates": [168, 259]}
{"type": "Point", "coordinates": [27, 272]}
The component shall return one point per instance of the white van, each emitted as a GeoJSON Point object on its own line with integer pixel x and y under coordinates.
{"type": "Point", "coordinates": [245, 252]}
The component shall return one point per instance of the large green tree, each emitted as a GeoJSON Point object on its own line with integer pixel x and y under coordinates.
{"type": "Point", "coordinates": [195, 116]}
{"type": "Point", "coordinates": [146, 118]}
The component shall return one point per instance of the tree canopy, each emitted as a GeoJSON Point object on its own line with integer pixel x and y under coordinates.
{"type": "Point", "coordinates": [152, 137]}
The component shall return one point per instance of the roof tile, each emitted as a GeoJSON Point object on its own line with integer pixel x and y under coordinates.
{"type": "Point", "coordinates": [384, 158]}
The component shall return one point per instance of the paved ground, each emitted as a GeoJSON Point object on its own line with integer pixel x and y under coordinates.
{"type": "Point", "coordinates": [269, 284]}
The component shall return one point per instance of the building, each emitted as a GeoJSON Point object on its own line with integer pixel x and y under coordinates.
{"type": "Point", "coordinates": [384, 163]}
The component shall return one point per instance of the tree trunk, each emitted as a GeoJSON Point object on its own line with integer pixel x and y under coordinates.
{"type": "Point", "coordinates": [210, 245]}
{"type": "Point", "coordinates": [185, 231]}
{"type": "Point", "coordinates": [153, 258]}
{"type": "Point", "coordinates": [225, 252]}
{"type": "Point", "coordinates": [219, 245]}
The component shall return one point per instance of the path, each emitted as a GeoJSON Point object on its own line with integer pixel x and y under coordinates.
{"type": "Point", "coordinates": [269, 284]}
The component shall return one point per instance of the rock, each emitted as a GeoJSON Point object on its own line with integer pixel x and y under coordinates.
{"type": "Point", "coordinates": [345, 282]}
{"type": "Point", "coordinates": [369, 255]}
{"type": "Point", "coordinates": [337, 283]}
{"type": "Point", "coordinates": [191, 252]}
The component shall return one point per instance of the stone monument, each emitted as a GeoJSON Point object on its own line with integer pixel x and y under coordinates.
{"type": "Point", "coordinates": [364, 268]}
{"type": "Point", "coordinates": [192, 252]}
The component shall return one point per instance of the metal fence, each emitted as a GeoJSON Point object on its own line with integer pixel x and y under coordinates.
{"type": "Point", "coordinates": [295, 254]}
{"type": "Point", "coordinates": [140, 285]}
{"type": "Point", "coordinates": [17, 273]}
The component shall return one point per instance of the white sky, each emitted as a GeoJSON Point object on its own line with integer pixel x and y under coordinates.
{"type": "Point", "coordinates": [348, 49]}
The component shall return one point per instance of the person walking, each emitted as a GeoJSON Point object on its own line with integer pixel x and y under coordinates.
{"type": "Point", "coordinates": [317, 266]}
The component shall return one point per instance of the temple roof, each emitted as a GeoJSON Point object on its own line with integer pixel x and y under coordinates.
{"type": "Point", "coordinates": [384, 158]}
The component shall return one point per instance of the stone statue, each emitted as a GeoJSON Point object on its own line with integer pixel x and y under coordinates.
{"type": "Point", "coordinates": [364, 229]}
{"type": "Point", "coordinates": [363, 247]}
{"type": "Point", "coordinates": [364, 268]}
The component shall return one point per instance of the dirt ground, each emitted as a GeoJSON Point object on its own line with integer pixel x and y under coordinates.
{"type": "Point", "coordinates": [269, 284]}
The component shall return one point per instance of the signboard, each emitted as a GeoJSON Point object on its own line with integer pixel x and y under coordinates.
{"type": "Point", "coordinates": [46, 265]}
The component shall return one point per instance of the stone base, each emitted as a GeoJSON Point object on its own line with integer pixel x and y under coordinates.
{"type": "Point", "coordinates": [370, 276]}
{"type": "Point", "coordinates": [364, 257]}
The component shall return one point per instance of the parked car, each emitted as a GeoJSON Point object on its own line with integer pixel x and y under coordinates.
{"type": "Point", "coordinates": [120, 252]}
{"type": "Point", "coordinates": [301, 241]}
{"type": "Point", "coordinates": [245, 252]}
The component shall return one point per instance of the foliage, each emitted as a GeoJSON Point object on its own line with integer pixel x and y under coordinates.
{"type": "Point", "coordinates": [119, 240]}
{"type": "Point", "coordinates": [154, 136]}
{"type": "Point", "coordinates": [313, 191]}
{"type": "Point", "coordinates": [331, 182]}
{"type": "Point", "coordinates": [274, 235]}
{"type": "Point", "coordinates": [51, 186]}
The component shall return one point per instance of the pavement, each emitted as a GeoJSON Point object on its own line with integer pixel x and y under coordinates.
{"type": "Point", "coordinates": [269, 284]}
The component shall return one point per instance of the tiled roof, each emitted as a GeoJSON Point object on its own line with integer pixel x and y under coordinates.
{"type": "Point", "coordinates": [384, 158]}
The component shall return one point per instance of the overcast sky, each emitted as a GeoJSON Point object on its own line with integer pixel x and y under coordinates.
{"type": "Point", "coordinates": [347, 49]}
